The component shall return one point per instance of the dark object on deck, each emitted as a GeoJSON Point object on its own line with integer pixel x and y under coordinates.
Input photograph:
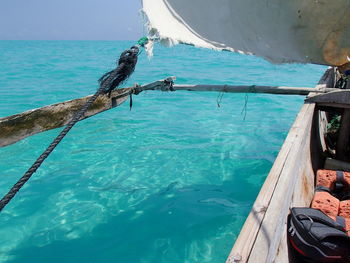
{"type": "Point", "coordinates": [317, 238]}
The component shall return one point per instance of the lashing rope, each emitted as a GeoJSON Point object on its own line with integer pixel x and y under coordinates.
{"type": "Point", "coordinates": [108, 82]}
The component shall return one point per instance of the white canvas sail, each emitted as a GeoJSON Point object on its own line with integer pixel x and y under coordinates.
{"type": "Point", "coordinates": [305, 31]}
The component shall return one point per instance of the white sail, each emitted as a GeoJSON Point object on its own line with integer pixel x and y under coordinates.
{"type": "Point", "coordinates": [282, 31]}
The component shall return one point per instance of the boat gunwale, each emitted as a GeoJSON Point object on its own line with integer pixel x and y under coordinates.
{"type": "Point", "coordinates": [254, 241]}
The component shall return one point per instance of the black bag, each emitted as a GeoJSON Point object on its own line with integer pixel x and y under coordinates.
{"type": "Point", "coordinates": [317, 238]}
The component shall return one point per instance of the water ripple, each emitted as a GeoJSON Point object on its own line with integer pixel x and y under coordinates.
{"type": "Point", "coordinates": [170, 181]}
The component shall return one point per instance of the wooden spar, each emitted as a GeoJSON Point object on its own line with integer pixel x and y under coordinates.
{"type": "Point", "coordinates": [17, 127]}
{"type": "Point", "coordinates": [339, 98]}
{"type": "Point", "coordinates": [253, 89]}
{"type": "Point", "coordinates": [20, 126]}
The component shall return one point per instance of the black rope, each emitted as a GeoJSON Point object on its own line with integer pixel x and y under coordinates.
{"type": "Point", "coordinates": [244, 110]}
{"type": "Point", "coordinates": [219, 99]}
{"type": "Point", "coordinates": [7, 198]}
{"type": "Point", "coordinates": [125, 67]}
{"type": "Point", "coordinates": [108, 82]}
{"type": "Point", "coordinates": [130, 103]}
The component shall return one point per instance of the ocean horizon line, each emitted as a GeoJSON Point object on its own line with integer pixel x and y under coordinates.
{"type": "Point", "coordinates": [82, 40]}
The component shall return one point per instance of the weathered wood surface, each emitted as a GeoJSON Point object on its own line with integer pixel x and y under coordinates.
{"type": "Point", "coordinates": [254, 89]}
{"type": "Point", "coordinates": [338, 98]}
{"type": "Point", "coordinates": [261, 234]}
{"type": "Point", "coordinates": [20, 126]}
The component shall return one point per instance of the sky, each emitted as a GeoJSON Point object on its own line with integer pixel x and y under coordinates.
{"type": "Point", "coordinates": [70, 20]}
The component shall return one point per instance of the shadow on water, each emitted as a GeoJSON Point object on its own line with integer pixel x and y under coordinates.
{"type": "Point", "coordinates": [153, 230]}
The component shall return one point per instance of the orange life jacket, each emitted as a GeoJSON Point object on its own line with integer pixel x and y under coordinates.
{"type": "Point", "coordinates": [331, 196]}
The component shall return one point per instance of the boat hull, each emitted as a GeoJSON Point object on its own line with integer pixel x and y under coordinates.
{"type": "Point", "coordinates": [290, 183]}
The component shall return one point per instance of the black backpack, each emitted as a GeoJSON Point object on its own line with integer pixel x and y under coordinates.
{"type": "Point", "coordinates": [317, 238]}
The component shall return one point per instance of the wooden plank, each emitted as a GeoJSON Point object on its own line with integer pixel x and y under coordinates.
{"type": "Point", "coordinates": [341, 97]}
{"type": "Point", "coordinates": [282, 90]}
{"type": "Point", "coordinates": [268, 240]}
{"type": "Point", "coordinates": [283, 250]}
{"type": "Point", "coordinates": [328, 78]}
{"type": "Point", "coordinates": [20, 126]}
{"type": "Point", "coordinates": [302, 196]}
{"type": "Point", "coordinates": [332, 106]}
{"type": "Point", "coordinates": [246, 240]}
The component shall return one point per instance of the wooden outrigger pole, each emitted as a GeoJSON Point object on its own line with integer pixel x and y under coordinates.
{"type": "Point", "coordinates": [19, 126]}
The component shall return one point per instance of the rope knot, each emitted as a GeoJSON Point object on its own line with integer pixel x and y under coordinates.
{"type": "Point", "coordinates": [136, 89]}
{"type": "Point", "coordinates": [169, 83]}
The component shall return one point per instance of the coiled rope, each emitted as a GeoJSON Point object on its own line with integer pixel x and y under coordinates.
{"type": "Point", "coordinates": [108, 82]}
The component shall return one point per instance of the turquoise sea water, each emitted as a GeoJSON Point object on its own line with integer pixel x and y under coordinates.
{"type": "Point", "coordinates": [172, 180]}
